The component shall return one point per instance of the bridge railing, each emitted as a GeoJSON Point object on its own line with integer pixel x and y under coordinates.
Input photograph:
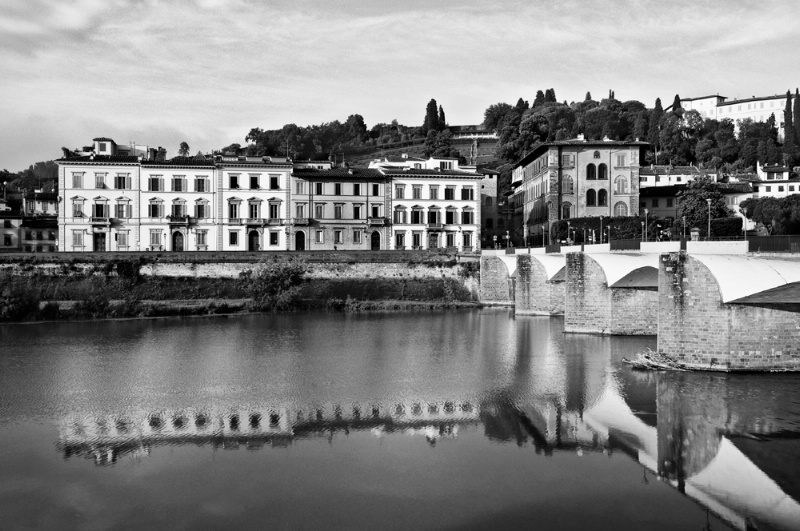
{"type": "Point", "coordinates": [774, 244]}
{"type": "Point", "coordinates": [625, 245]}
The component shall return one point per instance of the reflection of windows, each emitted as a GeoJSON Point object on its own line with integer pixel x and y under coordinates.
{"type": "Point", "coordinates": [602, 172]}
{"type": "Point", "coordinates": [155, 209]}
{"type": "Point", "coordinates": [591, 171]}
{"type": "Point", "coordinates": [434, 190]}
{"type": "Point", "coordinates": [399, 215]}
{"type": "Point", "coordinates": [450, 217]}
{"type": "Point", "coordinates": [566, 210]}
{"type": "Point", "coordinates": [416, 216]}
{"type": "Point", "coordinates": [100, 180]}
{"type": "Point", "coordinates": [155, 183]}
{"type": "Point", "coordinates": [318, 188]}
{"type": "Point", "coordinates": [178, 184]}
{"type": "Point", "coordinates": [77, 208]}
{"type": "Point", "coordinates": [450, 193]}
{"type": "Point", "coordinates": [122, 239]}
{"type": "Point", "coordinates": [621, 184]}
{"type": "Point", "coordinates": [200, 184]}
{"type": "Point", "coordinates": [233, 210]}
{"type": "Point", "coordinates": [274, 210]}
{"type": "Point", "coordinates": [254, 182]}
{"type": "Point", "coordinates": [467, 239]}
{"type": "Point", "coordinates": [376, 189]}
{"type": "Point", "coordinates": [602, 198]}
{"type": "Point", "coordinates": [123, 210]}
{"type": "Point", "coordinates": [234, 181]}
{"type": "Point", "coordinates": [567, 184]}
{"type": "Point", "coordinates": [201, 209]}
{"type": "Point", "coordinates": [399, 191]}
{"type": "Point", "coordinates": [254, 209]}
{"type": "Point", "coordinates": [122, 181]}
{"type": "Point", "coordinates": [300, 187]}
{"type": "Point", "coordinates": [337, 188]}
{"type": "Point", "coordinates": [155, 237]}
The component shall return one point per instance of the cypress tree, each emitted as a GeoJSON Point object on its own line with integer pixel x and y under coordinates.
{"type": "Point", "coordinates": [442, 122]}
{"type": "Point", "coordinates": [588, 97]}
{"type": "Point", "coordinates": [789, 144]}
{"type": "Point", "coordinates": [539, 100]}
{"type": "Point", "coordinates": [431, 118]}
{"type": "Point", "coordinates": [655, 120]}
{"type": "Point", "coordinates": [796, 117]}
{"type": "Point", "coordinates": [677, 108]}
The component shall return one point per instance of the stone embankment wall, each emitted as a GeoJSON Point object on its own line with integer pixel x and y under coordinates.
{"type": "Point", "coordinates": [592, 307]}
{"type": "Point", "coordinates": [697, 328]}
{"type": "Point", "coordinates": [535, 294]}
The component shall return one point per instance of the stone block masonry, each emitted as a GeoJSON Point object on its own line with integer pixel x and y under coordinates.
{"type": "Point", "coordinates": [535, 294]}
{"type": "Point", "coordinates": [698, 329]}
{"type": "Point", "coordinates": [495, 282]}
{"type": "Point", "coordinates": [591, 306]}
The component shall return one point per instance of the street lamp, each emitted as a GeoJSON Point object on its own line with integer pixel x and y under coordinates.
{"type": "Point", "coordinates": [508, 240]}
{"type": "Point", "coordinates": [684, 227]}
{"type": "Point", "coordinates": [601, 229]}
{"type": "Point", "coordinates": [708, 236]}
{"type": "Point", "coordinates": [544, 237]}
{"type": "Point", "coordinates": [645, 223]}
{"type": "Point", "coordinates": [495, 240]}
{"type": "Point", "coordinates": [642, 230]}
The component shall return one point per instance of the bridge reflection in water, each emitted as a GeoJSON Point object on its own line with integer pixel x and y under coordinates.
{"type": "Point", "coordinates": [715, 446]}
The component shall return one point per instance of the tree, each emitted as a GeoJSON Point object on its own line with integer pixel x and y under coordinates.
{"type": "Point", "coordinates": [431, 118]}
{"type": "Point", "coordinates": [494, 116]}
{"type": "Point", "coordinates": [550, 96]}
{"type": "Point", "coordinates": [588, 96]}
{"type": "Point", "coordinates": [655, 120]}
{"type": "Point", "coordinates": [677, 108]}
{"type": "Point", "coordinates": [694, 206]}
{"type": "Point", "coordinates": [539, 100]}
{"type": "Point", "coordinates": [796, 117]}
{"type": "Point", "coordinates": [442, 123]}
{"type": "Point", "coordinates": [183, 151]}
{"type": "Point", "coordinates": [789, 142]}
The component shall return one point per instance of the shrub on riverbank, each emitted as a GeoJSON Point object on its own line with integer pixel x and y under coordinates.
{"type": "Point", "coordinates": [274, 285]}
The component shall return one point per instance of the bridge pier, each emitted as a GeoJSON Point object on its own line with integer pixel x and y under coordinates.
{"type": "Point", "coordinates": [540, 284]}
{"type": "Point", "coordinates": [614, 294]}
{"type": "Point", "coordinates": [730, 312]}
{"type": "Point", "coordinates": [496, 278]}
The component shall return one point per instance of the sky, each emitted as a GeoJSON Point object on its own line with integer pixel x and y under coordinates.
{"type": "Point", "coordinates": [208, 71]}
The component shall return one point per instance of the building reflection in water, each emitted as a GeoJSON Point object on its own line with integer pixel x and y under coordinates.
{"type": "Point", "coordinates": [730, 442]}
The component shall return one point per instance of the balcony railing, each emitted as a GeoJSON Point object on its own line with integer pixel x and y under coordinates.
{"type": "Point", "coordinates": [435, 225]}
{"type": "Point", "coordinates": [100, 220]}
{"type": "Point", "coordinates": [275, 221]}
{"type": "Point", "coordinates": [235, 221]}
{"type": "Point", "coordinates": [301, 221]}
{"type": "Point", "coordinates": [182, 219]}
{"type": "Point", "coordinates": [376, 221]}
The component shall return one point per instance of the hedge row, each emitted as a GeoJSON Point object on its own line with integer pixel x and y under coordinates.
{"type": "Point", "coordinates": [624, 228]}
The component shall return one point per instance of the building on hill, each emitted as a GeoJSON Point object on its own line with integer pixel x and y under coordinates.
{"type": "Point", "coordinates": [770, 181]}
{"type": "Point", "coordinates": [339, 209]}
{"type": "Point", "coordinates": [576, 178]}
{"type": "Point", "coordinates": [668, 175]}
{"type": "Point", "coordinates": [758, 109]}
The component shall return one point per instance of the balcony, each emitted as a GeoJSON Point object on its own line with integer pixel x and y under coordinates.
{"type": "Point", "coordinates": [96, 220]}
{"type": "Point", "coordinates": [182, 219]}
{"type": "Point", "coordinates": [234, 221]}
{"type": "Point", "coordinates": [274, 221]}
{"type": "Point", "coordinates": [376, 221]}
{"type": "Point", "coordinates": [435, 226]}
{"type": "Point", "coordinates": [301, 221]}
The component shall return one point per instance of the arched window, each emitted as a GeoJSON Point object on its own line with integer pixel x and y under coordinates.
{"type": "Point", "coordinates": [621, 184]}
{"type": "Point", "coordinates": [568, 185]}
{"type": "Point", "coordinates": [591, 172]}
{"type": "Point", "coordinates": [602, 198]}
{"type": "Point", "coordinates": [591, 198]}
{"type": "Point", "coordinates": [597, 154]}
{"type": "Point", "coordinates": [602, 172]}
{"type": "Point", "coordinates": [488, 201]}
{"type": "Point", "coordinates": [620, 210]}
{"type": "Point", "coordinates": [566, 210]}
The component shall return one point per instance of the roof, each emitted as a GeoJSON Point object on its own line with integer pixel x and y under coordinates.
{"type": "Point", "coordinates": [102, 139]}
{"type": "Point", "coordinates": [704, 97]}
{"type": "Point", "coordinates": [542, 148]}
{"type": "Point", "coordinates": [395, 158]}
{"type": "Point", "coordinates": [42, 196]}
{"type": "Point", "coordinates": [432, 173]}
{"type": "Point", "coordinates": [745, 100]}
{"type": "Point", "coordinates": [669, 170]}
{"type": "Point", "coordinates": [661, 191]}
{"type": "Point", "coordinates": [101, 159]}
{"type": "Point", "coordinates": [180, 161]}
{"type": "Point", "coordinates": [339, 173]}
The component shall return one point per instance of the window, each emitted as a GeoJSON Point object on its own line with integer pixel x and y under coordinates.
{"type": "Point", "coordinates": [669, 202]}
{"type": "Point", "coordinates": [233, 238]}
{"type": "Point", "coordinates": [566, 210]}
{"type": "Point", "coordinates": [178, 184]}
{"type": "Point", "coordinates": [450, 193]}
{"type": "Point", "coordinates": [467, 240]}
{"type": "Point", "coordinates": [416, 191]}
{"type": "Point", "coordinates": [318, 188]}
{"type": "Point", "coordinates": [791, 188]}
{"type": "Point", "coordinates": [254, 209]}
{"type": "Point", "coordinates": [274, 182]}
{"type": "Point", "coordinates": [200, 209]}
{"type": "Point", "coordinates": [356, 236]}
{"type": "Point", "coordinates": [376, 189]}
{"type": "Point", "coordinates": [200, 184]}
{"type": "Point", "coordinates": [620, 160]}
{"type": "Point", "coordinates": [400, 240]}
{"type": "Point", "coordinates": [202, 238]}
{"type": "Point", "coordinates": [253, 182]}
{"type": "Point", "coordinates": [489, 223]}
{"type": "Point", "coordinates": [233, 210]}
{"type": "Point", "coordinates": [273, 238]}
{"type": "Point", "coordinates": [451, 239]}
{"type": "Point", "coordinates": [274, 211]}
{"type": "Point", "coordinates": [319, 237]}
{"type": "Point", "coordinates": [154, 183]}
{"type": "Point", "coordinates": [620, 209]}
{"type": "Point", "coordinates": [356, 211]}
{"type": "Point", "coordinates": [77, 238]}
{"type": "Point", "coordinates": [602, 198]}
{"type": "Point", "coordinates": [100, 180]}
{"type": "Point", "coordinates": [300, 211]}
{"type": "Point", "coordinates": [597, 154]}
{"type": "Point", "coordinates": [77, 180]}
{"type": "Point", "coordinates": [433, 216]}
{"type": "Point", "coordinates": [467, 217]}
{"type": "Point", "coordinates": [101, 146]}
{"type": "Point", "coordinates": [780, 188]}
{"type": "Point", "coordinates": [621, 184]}
{"type": "Point", "coordinates": [567, 185]}
{"type": "Point", "coordinates": [416, 216]}
{"type": "Point", "coordinates": [376, 211]}
{"type": "Point", "coordinates": [399, 191]}
{"type": "Point", "coordinates": [337, 189]}
{"type": "Point", "coordinates": [123, 210]}
{"type": "Point", "coordinates": [591, 171]}
{"type": "Point", "coordinates": [122, 181]}
{"type": "Point", "coordinates": [337, 236]}
{"type": "Point", "coordinates": [467, 193]}
{"type": "Point", "coordinates": [154, 209]}
{"type": "Point", "coordinates": [300, 187]}
{"type": "Point", "coordinates": [566, 160]}
{"type": "Point", "coordinates": [356, 188]}
{"type": "Point", "coordinates": [488, 202]}
{"type": "Point", "coordinates": [400, 215]}
{"type": "Point", "coordinates": [318, 210]}
{"type": "Point", "coordinates": [155, 237]}
{"type": "Point", "coordinates": [416, 240]}
{"type": "Point", "coordinates": [602, 172]}
{"type": "Point", "coordinates": [450, 217]}
{"type": "Point", "coordinates": [234, 181]}
{"type": "Point", "coordinates": [434, 190]}
{"type": "Point", "coordinates": [77, 208]}
{"type": "Point", "coordinates": [122, 239]}
{"type": "Point", "coordinates": [337, 211]}
{"type": "Point", "coordinates": [654, 203]}
{"type": "Point", "coordinates": [178, 208]}
{"type": "Point", "coordinates": [7, 240]}
{"type": "Point", "coordinates": [591, 198]}
{"type": "Point", "coordinates": [100, 210]}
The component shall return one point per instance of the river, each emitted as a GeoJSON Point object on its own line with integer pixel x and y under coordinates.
{"type": "Point", "coordinates": [467, 419]}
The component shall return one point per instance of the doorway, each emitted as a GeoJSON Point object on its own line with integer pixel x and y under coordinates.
{"type": "Point", "coordinates": [177, 241]}
{"type": "Point", "coordinates": [99, 240]}
{"type": "Point", "coordinates": [376, 241]}
{"type": "Point", "coordinates": [433, 240]}
{"type": "Point", "coordinates": [300, 241]}
{"type": "Point", "coordinates": [252, 240]}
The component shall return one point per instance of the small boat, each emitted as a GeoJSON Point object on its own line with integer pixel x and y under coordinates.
{"type": "Point", "coordinates": [654, 361]}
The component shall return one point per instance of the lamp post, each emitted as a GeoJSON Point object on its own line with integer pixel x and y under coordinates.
{"type": "Point", "coordinates": [684, 227]}
{"type": "Point", "coordinates": [645, 223]}
{"type": "Point", "coordinates": [544, 237]}
{"type": "Point", "coordinates": [495, 240]}
{"type": "Point", "coordinates": [601, 229]}
{"type": "Point", "coordinates": [708, 236]}
{"type": "Point", "coordinates": [642, 230]}
{"type": "Point", "coordinates": [508, 240]}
